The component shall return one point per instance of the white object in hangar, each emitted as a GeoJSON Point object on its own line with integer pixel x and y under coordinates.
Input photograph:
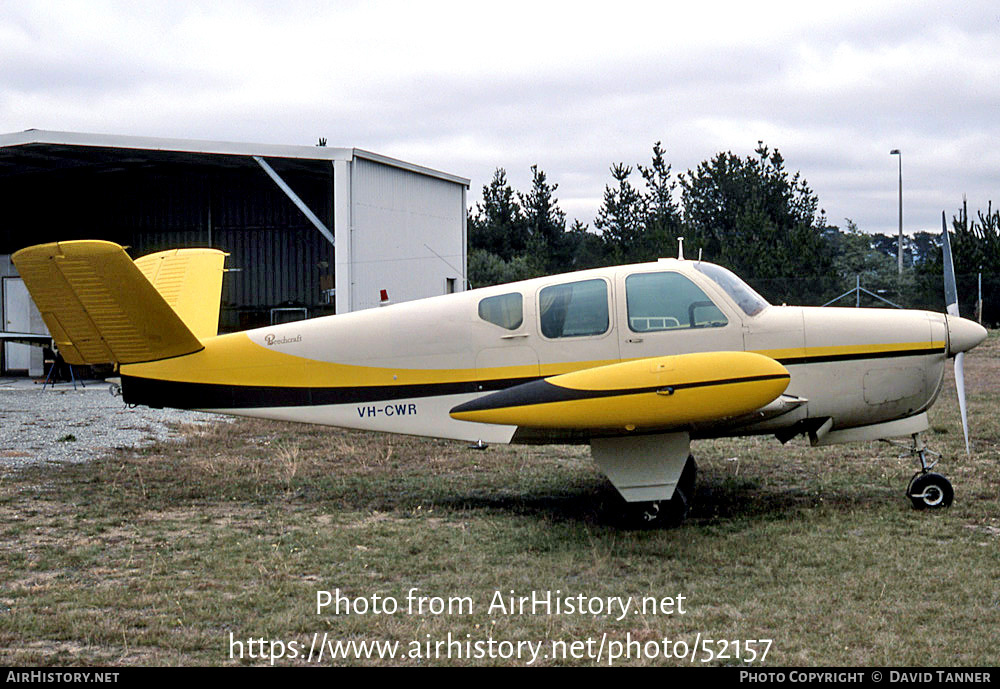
{"type": "Point", "coordinates": [21, 318]}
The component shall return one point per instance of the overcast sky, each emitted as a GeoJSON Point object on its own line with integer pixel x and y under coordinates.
{"type": "Point", "coordinates": [467, 87]}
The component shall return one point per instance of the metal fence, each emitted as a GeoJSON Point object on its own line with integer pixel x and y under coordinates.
{"type": "Point", "coordinates": [978, 293]}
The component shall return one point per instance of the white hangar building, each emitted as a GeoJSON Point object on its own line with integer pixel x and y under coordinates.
{"type": "Point", "coordinates": [310, 230]}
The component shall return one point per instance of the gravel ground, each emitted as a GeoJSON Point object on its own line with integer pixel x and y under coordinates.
{"type": "Point", "coordinates": [61, 424]}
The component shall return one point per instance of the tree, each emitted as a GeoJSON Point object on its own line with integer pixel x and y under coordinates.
{"type": "Point", "coordinates": [620, 216]}
{"type": "Point", "coordinates": [922, 246]}
{"type": "Point", "coordinates": [976, 250]}
{"type": "Point", "coordinates": [499, 225]}
{"type": "Point", "coordinates": [750, 215]}
{"type": "Point", "coordinates": [858, 256]}
{"type": "Point", "coordinates": [661, 215]}
{"type": "Point", "coordinates": [976, 244]}
{"type": "Point", "coordinates": [640, 224]}
{"type": "Point", "coordinates": [856, 253]}
{"type": "Point", "coordinates": [515, 236]}
{"type": "Point", "coordinates": [586, 249]}
{"type": "Point", "coordinates": [546, 224]}
{"type": "Point", "coordinates": [486, 268]}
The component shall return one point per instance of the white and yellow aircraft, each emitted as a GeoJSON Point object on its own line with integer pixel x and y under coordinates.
{"type": "Point", "coordinates": [637, 360]}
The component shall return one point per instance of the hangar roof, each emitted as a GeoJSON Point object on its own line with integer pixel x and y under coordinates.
{"type": "Point", "coordinates": [39, 151]}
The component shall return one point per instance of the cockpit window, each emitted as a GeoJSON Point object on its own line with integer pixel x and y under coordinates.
{"type": "Point", "coordinates": [744, 295]}
{"type": "Point", "coordinates": [668, 301]}
{"type": "Point", "coordinates": [505, 310]}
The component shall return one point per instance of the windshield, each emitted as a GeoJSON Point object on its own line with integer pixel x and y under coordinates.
{"type": "Point", "coordinates": [744, 295]}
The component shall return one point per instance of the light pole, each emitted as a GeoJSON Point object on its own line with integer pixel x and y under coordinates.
{"type": "Point", "coordinates": [899, 249]}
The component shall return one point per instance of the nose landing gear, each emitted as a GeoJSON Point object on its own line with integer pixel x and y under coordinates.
{"type": "Point", "coordinates": [928, 490]}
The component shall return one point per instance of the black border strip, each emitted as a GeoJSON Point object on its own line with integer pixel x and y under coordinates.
{"type": "Point", "coordinates": [152, 392]}
{"type": "Point", "coordinates": [893, 354]}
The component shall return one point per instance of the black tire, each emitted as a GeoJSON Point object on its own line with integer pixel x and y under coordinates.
{"type": "Point", "coordinates": [689, 478]}
{"type": "Point", "coordinates": [674, 511]}
{"type": "Point", "coordinates": [930, 491]}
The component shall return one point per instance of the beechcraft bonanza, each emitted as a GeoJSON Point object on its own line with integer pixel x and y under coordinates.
{"type": "Point", "coordinates": [637, 360]}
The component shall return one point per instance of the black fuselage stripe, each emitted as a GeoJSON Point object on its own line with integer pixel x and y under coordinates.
{"type": "Point", "coordinates": [895, 354]}
{"type": "Point", "coordinates": [153, 392]}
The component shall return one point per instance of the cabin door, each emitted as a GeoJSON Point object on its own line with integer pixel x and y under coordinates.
{"type": "Point", "coordinates": [662, 312]}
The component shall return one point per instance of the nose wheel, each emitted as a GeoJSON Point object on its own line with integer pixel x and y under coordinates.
{"type": "Point", "coordinates": [928, 490]}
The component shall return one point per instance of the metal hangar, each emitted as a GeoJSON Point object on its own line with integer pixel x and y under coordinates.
{"type": "Point", "coordinates": [310, 230]}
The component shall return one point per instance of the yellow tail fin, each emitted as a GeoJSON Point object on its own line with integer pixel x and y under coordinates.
{"type": "Point", "coordinates": [190, 281]}
{"type": "Point", "coordinates": [99, 307]}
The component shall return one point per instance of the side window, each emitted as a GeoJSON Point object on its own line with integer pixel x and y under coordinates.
{"type": "Point", "coordinates": [505, 310]}
{"type": "Point", "coordinates": [668, 301]}
{"type": "Point", "coordinates": [575, 309]}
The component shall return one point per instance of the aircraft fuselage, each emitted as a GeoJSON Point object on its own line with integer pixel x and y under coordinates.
{"type": "Point", "coordinates": [404, 367]}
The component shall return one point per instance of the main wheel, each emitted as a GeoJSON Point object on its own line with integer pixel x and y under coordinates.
{"type": "Point", "coordinates": [659, 513]}
{"type": "Point", "coordinates": [930, 491]}
{"type": "Point", "coordinates": [689, 478]}
{"type": "Point", "coordinates": [667, 513]}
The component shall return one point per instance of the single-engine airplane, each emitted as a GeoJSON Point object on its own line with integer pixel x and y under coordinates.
{"type": "Point", "coordinates": [637, 360]}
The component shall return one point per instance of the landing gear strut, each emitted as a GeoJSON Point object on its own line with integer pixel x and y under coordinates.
{"type": "Point", "coordinates": [667, 513]}
{"type": "Point", "coordinates": [928, 490]}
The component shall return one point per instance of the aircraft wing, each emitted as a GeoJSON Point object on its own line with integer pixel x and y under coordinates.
{"type": "Point", "coordinates": [657, 393]}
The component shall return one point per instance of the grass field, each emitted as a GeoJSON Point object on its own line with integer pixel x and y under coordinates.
{"type": "Point", "coordinates": [158, 556]}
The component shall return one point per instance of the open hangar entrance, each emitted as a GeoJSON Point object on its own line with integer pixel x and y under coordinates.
{"type": "Point", "coordinates": [310, 230]}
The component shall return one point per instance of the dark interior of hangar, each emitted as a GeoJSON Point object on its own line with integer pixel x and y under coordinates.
{"type": "Point", "coordinates": [148, 201]}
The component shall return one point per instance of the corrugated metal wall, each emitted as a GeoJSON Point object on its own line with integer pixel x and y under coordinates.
{"type": "Point", "coordinates": [407, 233]}
{"type": "Point", "coordinates": [276, 257]}
{"type": "Point", "coordinates": [280, 256]}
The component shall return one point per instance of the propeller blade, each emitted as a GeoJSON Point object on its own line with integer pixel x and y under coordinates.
{"type": "Point", "coordinates": [950, 287]}
{"type": "Point", "coordinates": [960, 388]}
{"type": "Point", "coordinates": [951, 305]}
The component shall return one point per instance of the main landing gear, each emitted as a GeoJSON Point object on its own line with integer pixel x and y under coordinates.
{"type": "Point", "coordinates": [928, 490]}
{"type": "Point", "coordinates": [667, 513]}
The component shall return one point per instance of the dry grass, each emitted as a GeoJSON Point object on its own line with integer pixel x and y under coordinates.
{"type": "Point", "coordinates": [155, 557]}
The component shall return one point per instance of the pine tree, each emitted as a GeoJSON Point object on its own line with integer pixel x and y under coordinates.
{"type": "Point", "coordinates": [620, 216]}
{"type": "Point", "coordinates": [661, 215]}
{"type": "Point", "coordinates": [546, 223]}
{"type": "Point", "coordinates": [499, 225]}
